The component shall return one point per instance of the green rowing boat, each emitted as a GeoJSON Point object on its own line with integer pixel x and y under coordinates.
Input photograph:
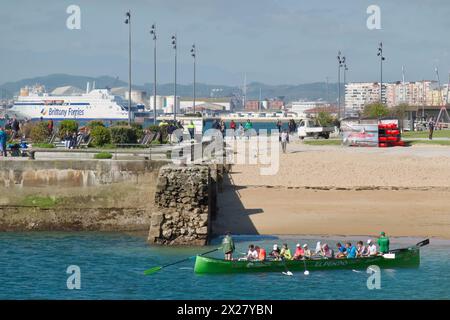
{"type": "Point", "coordinates": [399, 258]}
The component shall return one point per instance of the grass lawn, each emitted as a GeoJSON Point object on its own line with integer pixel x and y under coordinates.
{"type": "Point", "coordinates": [424, 134]}
{"type": "Point", "coordinates": [323, 142]}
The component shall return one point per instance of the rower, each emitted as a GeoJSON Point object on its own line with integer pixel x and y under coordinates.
{"type": "Point", "coordinates": [361, 249]}
{"type": "Point", "coordinates": [383, 243]}
{"type": "Point", "coordinates": [306, 252]}
{"type": "Point", "coordinates": [350, 251]}
{"type": "Point", "coordinates": [252, 254]}
{"type": "Point", "coordinates": [341, 250]}
{"type": "Point", "coordinates": [261, 253]}
{"type": "Point", "coordinates": [371, 249]}
{"type": "Point", "coordinates": [285, 252]}
{"type": "Point", "coordinates": [299, 252]}
{"type": "Point", "coordinates": [275, 252]}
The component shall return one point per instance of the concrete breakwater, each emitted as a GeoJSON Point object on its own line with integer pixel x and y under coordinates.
{"type": "Point", "coordinates": [104, 195]}
{"type": "Point", "coordinates": [176, 204]}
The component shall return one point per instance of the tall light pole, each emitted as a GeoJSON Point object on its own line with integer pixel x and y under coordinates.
{"type": "Point", "coordinates": [341, 62]}
{"type": "Point", "coordinates": [153, 32]}
{"type": "Point", "coordinates": [382, 58]}
{"type": "Point", "coordinates": [194, 55]}
{"type": "Point", "coordinates": [174, 46]}
{"type": "Point", "coordinates": [128, 21]}
{"type": "Point", "coordinates": [345, 82]}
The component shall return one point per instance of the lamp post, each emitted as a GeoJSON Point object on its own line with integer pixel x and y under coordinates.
{"type": "Point", "coordinates": [153, 32]}
{"type": "Point", "coordinates": [345, 83]}
{"type": "Point", "coordinates": [341, 63]}
{"type": "Point", "coordinates": [382, 58]}
{"type": "Point", "coordinates": [194, 55]}
{"type": "Point", "coordinates": [174, 46]}
{"type": "Point", "coordinates": [128, 21]}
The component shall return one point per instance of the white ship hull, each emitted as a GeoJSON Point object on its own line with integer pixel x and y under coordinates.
{"type": "Point", "coordinates": [95, 105]}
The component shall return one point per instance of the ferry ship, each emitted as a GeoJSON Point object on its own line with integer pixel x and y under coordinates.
{"type": "Point", "coordinates": [96, 104]}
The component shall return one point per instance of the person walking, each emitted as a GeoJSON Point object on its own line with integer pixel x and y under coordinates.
{"type": "Point", "coordinates": [284, 140]}
{"type": "Point", "coordinates": [228, 246]}
{"type": "Point", "coordinates": [3, 139]}
{"type": "Point", "coordinates": [431, 128]}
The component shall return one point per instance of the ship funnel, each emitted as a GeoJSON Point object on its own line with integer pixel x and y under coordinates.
{"type": "Point", "coordinates": [88, 87]}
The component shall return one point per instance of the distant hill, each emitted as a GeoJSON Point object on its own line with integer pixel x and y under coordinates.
{"type": "Point", "coordinates": [307, 91]}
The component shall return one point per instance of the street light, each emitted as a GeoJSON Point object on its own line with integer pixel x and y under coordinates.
{"type": "Point", "coordinates": [345, 81]}
{"type": "Point", "coordinates": [341, 63]}
{"type": "Point", "coordinates": [174, 46]}
{"type": "Point", "coordinates": [194, 55]}
{"type": "Point", "coordinates": [153, 32]}
{"type": "Point", "coordinates": [128, 21]}
{"type": "Point", "coordinates": [382, 58]}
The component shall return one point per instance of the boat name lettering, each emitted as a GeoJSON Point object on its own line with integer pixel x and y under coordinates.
{"type": "Point", "coordinates": [65, 112]}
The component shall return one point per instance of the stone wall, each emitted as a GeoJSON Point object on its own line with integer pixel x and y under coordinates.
{"type": "Point", "coordinates": [183, 205]}
{"type": "Point", "coordinates": [106, 195]}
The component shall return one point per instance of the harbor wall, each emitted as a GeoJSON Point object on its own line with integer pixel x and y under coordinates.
{"type": "Point", "coordinates": [184, 204]}
{"type": "Point", "coordinates": [70, 195]}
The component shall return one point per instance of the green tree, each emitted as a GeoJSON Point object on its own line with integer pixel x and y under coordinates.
{"type": "Point", "coordinates": [325, 119]}
{"type": "Point", "coordinates": [67, 126]}
{"type": "Point", "coordinates": [100, 136]}
{"type": "Point", "coordinates": [375, 110]}
{"type": "Point", "coordinates": [95, 123]}
{"type": "Point", "coordinates": [39, 132]}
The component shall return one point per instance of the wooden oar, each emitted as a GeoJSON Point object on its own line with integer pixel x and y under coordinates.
{"type": "Point", "coordinates": [156, 269]}
{"type": "Point", "coordinates": [418, 245]}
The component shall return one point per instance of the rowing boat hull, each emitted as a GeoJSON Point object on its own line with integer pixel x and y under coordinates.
{"type": "Point", "coordinates": [406, 258]}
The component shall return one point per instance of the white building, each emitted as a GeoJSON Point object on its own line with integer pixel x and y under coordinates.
{"type": "Point", "coordinates": [300, 107]}
{"type": "Point", "coordinates": [359, 94]}
{"type": "Point", "coordinates": [164, 103]}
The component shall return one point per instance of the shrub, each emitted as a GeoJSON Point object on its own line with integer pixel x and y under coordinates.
{"type": "Point", "coordinates": [95, 123]}
{"type": "Point", "coordinates": [120, 123]}
{"type": "Point", "coordinates": [44, 145]}
{"type": "Point", "coordinates": [26, 129]}
{"type": "Point", "coordinates": [103, 155]}
{"type": "Point", "coordinates": [65, 126]}
{"type": "Point", "coordinates": [153, 128]}
{"type": "Point", "coordinates": [100, 136]}
{"type": "Point", "coordinates": [39, 132]}
{"type": "Point", "coordinates": [122, 135]}
{"type": "Point", "coordinates": [138, 131]}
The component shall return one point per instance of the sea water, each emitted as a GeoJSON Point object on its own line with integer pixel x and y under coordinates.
{"type": "Point", "coordinates": [33, 265]}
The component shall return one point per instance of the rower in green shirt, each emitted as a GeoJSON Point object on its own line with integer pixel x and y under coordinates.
{"type": "Point", "coordinates": [383, 243]}
{"type": "Point", "coordinates": [228, 246]}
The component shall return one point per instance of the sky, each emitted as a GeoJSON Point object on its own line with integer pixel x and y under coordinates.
{"type": "Point", "coordinates": [271, 41]}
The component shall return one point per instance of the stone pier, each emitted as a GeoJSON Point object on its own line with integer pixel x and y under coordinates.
{"type": "Point", "coordinates": [184, 203]}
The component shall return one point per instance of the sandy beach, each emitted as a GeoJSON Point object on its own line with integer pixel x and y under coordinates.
{"type": "Point", "coordinates": [337, 190]}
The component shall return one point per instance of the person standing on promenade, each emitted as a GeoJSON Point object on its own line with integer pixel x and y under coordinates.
{"type": "Point", "coordinates": [383, 243]}
{"type": "Point", "coordinates": [431, 128]}
{"type": "Point", "coordinates": [233, 127]}
{"type": "Point", "coordinates": [15, 128]}
{"type": "Point", "coordinates": [191, 129]}
{"type": "Point", "coordinates": [50, 126]}
{"type": "Point", "coordinates": [228, 246]}
{"type": "Point", "coordinates": [3, 139]}
{"type": "Point", "coordinates": [279, 125]}
{"type": "Point", "coordinates": [284, 140]}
